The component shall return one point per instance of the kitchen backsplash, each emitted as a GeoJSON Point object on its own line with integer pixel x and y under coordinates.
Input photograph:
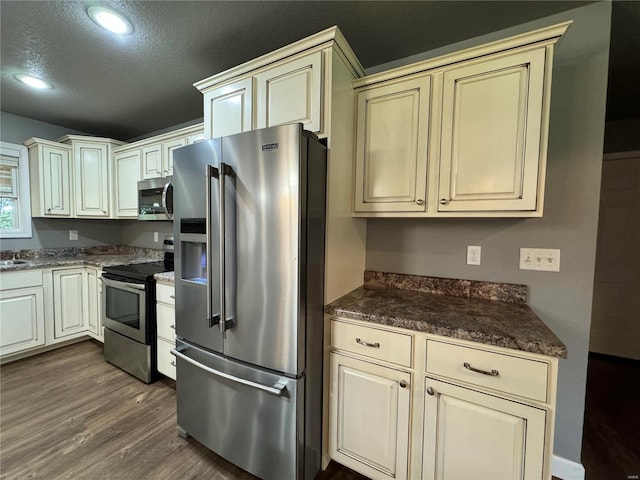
{"type": "Point", "coordinates": [504, 292]}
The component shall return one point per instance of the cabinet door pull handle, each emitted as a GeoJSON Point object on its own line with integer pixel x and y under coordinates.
{"type": "Point", "coordinates": [172, 296]}
{"type": "Point", "coordinates": [444, 201]}
{"type": "Point", "coordinates": [431, 391]}
{"type": "Point", "coordinates": [403, 384]}
{"type": "Point", "coordinates": [172, 326]}
{"type": "Point", "coordinates": [419, 201]}
{"type": "Point", "coordinates": [492, 373]}
{"type": "Point", "coordinates": [173, 363]}
{"type": "Point", "coordinates": [367, 344]}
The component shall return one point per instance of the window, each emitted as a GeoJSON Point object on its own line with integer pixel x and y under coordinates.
{"type": "Point", "coordinates": [15, 204]}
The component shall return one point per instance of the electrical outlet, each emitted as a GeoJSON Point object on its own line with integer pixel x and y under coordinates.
{"type": "Point", "coordinates": [73, 234]}
{"type": "Point", "coordinates": [544, 259]}
{"type": "Point", "coordinates": [473, 255]}
{"type": "Point", "coordinates": [155, 236]}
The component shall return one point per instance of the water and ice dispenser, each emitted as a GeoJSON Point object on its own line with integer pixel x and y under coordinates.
{"type": "Point", "coordinates": [193, 250]}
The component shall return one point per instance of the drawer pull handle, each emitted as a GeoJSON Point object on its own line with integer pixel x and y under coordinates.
{"type": "Point", "coordinates": [173, 363]}
{"type": "Point", "coordinates": [492, 373]}
{"type": "Point", "coordinates": [172, 326]}
{"type": "Point", "coordinates": [367, 344]}
{"type": "Point", "coordinates": [172, 296]}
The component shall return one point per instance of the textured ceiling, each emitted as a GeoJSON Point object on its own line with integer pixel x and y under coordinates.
{"type": "Point", "coordinates": [124, 87]}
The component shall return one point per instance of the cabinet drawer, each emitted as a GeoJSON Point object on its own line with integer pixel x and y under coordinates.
{"type": "Point", "coordinates": [166, 318]}
{"type": "Point", "coordinates": [383, 345]}
{"type": "Point", "coordinates": [515, 375]}
{"type": "Point", "coordinates": [166, 360]}
{"type": "Point", "coordinates": [165, 293]}
{"type": "Point", "coordinates": [20, 279]}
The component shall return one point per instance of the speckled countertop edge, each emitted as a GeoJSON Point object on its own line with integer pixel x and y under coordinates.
{"type": "Point", "coordinates": [491, 322]}
{"type": "Point", "coordinates": [165, 277]}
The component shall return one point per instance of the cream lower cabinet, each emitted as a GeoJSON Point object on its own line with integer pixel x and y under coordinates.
{"type": "Point", "coordinates": [472, 435]}
{"type": "Point", "coordinates": [369, 419]}
{"type": "Point", "coordinates": [94, 296]}
{"type": "Point", "coordinates": [405, 404]}
{"type": "Point", "coordinates": [166, 329]}
{"type": "Point", "coordinates": [484, 145]}
{"type": "Point", "coordinates": [21, 311]}
{"type": "Point", "coordinates": [70, 302]}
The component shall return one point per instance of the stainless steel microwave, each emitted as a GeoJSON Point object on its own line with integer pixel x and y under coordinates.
{"type": "Point", "coordinates": [155, 199]}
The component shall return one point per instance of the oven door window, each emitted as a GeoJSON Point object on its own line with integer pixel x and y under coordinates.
{"type": "Point", "coordinates": [125, 310]}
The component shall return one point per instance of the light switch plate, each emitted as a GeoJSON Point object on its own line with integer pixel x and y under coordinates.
{"type": "Point", "coordinates": [155, 236]}
{"type": "Point", "coordinates": [73, 234]}
{"type": "Point", "coordinates": [543, 259]}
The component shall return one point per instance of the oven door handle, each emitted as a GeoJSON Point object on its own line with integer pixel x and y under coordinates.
{"type": "Point", "coordinates": [118, 284]}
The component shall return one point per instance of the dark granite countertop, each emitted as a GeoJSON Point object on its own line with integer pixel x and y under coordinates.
{"type": "Point", "coordinates": [492, 322]}
{"type": "Point", "coordinates": [69, 257]}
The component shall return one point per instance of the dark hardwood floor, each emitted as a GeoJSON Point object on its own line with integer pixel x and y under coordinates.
{"type": "Point", "coordinates": [611, 438]}
{"type": "Point", "coordinates": [67, 414]}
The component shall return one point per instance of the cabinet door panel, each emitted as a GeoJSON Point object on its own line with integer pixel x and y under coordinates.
{"type": "Point", "coordinates": [21, 319]}
{"type": "Point", "coordinates": [228, 109]}
{"type": "Point", "coordinates": [152, 161]}
{"type": "Point", "coordinates": [290, 93]}
{"type": "Point", "coordinates": [92, 180]}
{"type": "Point", "coordinates": [127, 177]}
{"type": "Point", "coordinates": [491, 131]}
{"type": "Point", "coordinates": [70, 301]}
{"type": "Point", "coordinates": [391, 147]}
{"type": "Point", "coordinates": [167, 155]}
{"type": "Point", "coordinates": [468, 434]}
{"type": "Point", "coordinates": [94, 315]}
{"type": "Point", "coordinates": [369, 415]}
{"type": "Point", "coordinates": [56, 181]}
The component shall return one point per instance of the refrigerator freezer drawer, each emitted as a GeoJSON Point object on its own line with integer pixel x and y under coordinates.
{"type": "Point", "coordinates": [251, 417]}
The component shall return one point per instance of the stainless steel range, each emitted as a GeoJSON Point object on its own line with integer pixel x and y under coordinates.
{"type": "Point", "coordinates": [129, 318]}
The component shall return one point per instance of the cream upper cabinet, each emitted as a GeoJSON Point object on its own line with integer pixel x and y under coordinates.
{"type": "Point", "coordinates": [391, 146]}
{"type": "Point", "coordinates": [492, 114]}
{"type": "Point", "coordinates": [92, 174]}
{"type": "Point", "coordinates": [152, 161]}
{"type": "Point", "coordinates": [484, 137]}
{"type": "Point", "coordinates": [127, 175]}
{"type": "Point", "coordinates": [51, 182]}
{"type": "Point", "coordinates": [291, 93]}
{"type": "Point", "coordinates": [469, 434]}
{"type": "Point", "coordinates": [70, 300]}
{"type": "Point", "coordinates": [369, 417]}
{"type": "Point", "coordinates": [228, 109]}
{"type": "Point", "coordinates": [167, 154]}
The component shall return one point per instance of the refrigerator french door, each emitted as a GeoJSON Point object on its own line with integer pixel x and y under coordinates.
{"type": "Point", "coordinates": [249, 230]}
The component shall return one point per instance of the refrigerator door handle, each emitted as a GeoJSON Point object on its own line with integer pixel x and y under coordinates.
{"type": "Point", "coordinates": [223, 171]}
{"type": "Point", "coordinates": [277, 389]}
{"type": "Point", "coordinates": [211, 172]}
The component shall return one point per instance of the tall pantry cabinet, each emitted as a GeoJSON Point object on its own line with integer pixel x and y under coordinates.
{"type": "Point", "coordinates": [308, 82]}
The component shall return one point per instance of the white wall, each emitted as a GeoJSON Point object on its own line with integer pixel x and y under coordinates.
{"type": "Point", "coordinates": [562, 300]}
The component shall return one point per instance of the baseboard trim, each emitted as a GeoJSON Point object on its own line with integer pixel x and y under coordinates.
{"type": "Point", "coordinates": [566, 469]}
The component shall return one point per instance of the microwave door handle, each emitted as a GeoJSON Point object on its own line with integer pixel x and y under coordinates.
{"type": "Point", "coordinates": [211, 172]}
{"type": "Point", "coordinates": [164, 199]}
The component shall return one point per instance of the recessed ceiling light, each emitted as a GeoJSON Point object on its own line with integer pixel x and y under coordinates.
{"type": "Point", "coordinates": [110, 19]}
{"type": "Point", "coordinates": [33, 82]}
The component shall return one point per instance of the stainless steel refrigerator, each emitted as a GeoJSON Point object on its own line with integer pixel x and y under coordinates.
{"type": "Point", "coordinates": [249, 217]}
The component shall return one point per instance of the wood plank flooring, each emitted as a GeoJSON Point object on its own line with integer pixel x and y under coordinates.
{"type": "Point", "coordinates": [68, 414]}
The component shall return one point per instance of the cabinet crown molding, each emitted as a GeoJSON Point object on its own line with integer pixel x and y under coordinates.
{"type": "Point", "coordinates": [29, 142]}
{"type": "Point", "coordinates": [543, 36]}
{"type": "Point", "coordinates": [89, 138]}
{"type": "Point", "coordinates": [331, 37]}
